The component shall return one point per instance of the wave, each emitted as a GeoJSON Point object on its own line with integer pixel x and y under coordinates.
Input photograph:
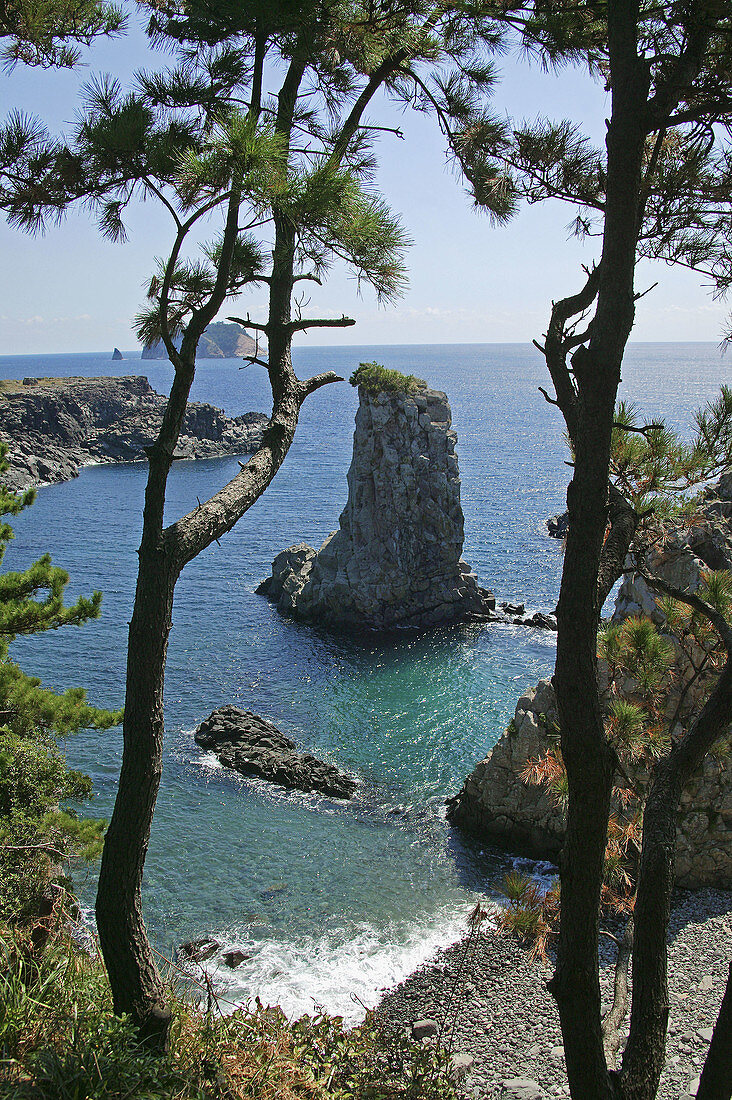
{"type": "Point", "coordinates": [344, 972]}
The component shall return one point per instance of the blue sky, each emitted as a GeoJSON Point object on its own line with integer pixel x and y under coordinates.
{"type": "Point", "coordinates": [469, 282]}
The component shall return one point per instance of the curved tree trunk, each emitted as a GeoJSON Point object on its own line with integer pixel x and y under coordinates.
{"type": "Point", "coordinates": [136, 985]}
{"type": "Point", "coordinates": [588, 758]}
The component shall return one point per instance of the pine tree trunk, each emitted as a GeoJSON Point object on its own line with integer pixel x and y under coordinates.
{"type": "Point", "coordinates": [716, 1078]}
{"type": "Point", "coordinates": [136, 985]}
{"type": "Point", "coordinates": [587, 756]}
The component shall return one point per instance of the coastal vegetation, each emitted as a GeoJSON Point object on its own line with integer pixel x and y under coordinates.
{"type": "Point", "coordinates": [375, 378]}
{"type": "Point", "coordinates": [39, 830]}
{"type": "Point", "coordinates": [60, 1038]}
{"type": "Point", "coordinates": [654, 192]}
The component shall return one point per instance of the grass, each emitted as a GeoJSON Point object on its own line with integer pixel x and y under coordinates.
{"type": "Point", "coordinates": [59, 1040]}
{"type": "Point", "coordinates": [375, 378]}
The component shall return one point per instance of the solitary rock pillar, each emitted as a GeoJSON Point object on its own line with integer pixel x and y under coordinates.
{"type": "Point", "coordinates": [395, 561]}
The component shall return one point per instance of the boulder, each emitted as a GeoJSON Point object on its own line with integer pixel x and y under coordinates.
{"type": "Point", "coordinates": [558, 526]}
{"type": "Point", "coordinates": [520, 1088]}
{"type": "Point", "coordinates": [251, 746]}
{"type": "Point", "coordinates": [200, 950]}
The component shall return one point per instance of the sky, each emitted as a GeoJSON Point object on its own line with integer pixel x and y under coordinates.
{"type": "Point", "coordinates": [469, 282]}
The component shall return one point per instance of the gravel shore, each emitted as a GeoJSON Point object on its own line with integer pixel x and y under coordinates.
{"type": "Point", "coordinates": [497, 1010]}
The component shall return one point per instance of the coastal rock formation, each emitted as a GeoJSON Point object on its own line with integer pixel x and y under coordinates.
{"type": "Point", "coordinates": [558, 526]}
{"type": "Point", "coordinates": [56, 425]}
{"type": "Point", "coordinates": [678, 557]}
{"type": "Point", "coordinates": [395, 560]}
{"type": "Point", "coordinates": [219, 341]}
{"type": "Point", "coordinates": [117, 355]}
{"type": "Point", "coordinates": [497, 804]}
{"type": "Point", "coordinates": [251, 746]}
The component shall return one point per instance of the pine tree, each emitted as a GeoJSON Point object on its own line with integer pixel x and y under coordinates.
{"type": "Point", "coordinates": [261, 124]}
{"type": "Point", "coordinates": [37, 833]}
{"type": "Point", "coordinates": [48, 33]}
{"type": "Point", "coordinates": [659, 189]}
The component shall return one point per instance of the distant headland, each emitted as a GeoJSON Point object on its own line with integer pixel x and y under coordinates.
{"type": "Point", "coordinates": [219, 341]}
{"type": "Point", "coordinates": [53, 426]}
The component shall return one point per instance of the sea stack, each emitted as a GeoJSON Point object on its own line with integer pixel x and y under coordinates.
{"type": "Point", "coordinates": [395, 562]}
{"type": "Point", "coordinates": [117, 355]}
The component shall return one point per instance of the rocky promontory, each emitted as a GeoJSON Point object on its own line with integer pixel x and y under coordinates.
{"type": "Point", "coordinates": [251, 746]}
{"type": "Point", "coordinates": [53, 426]}
{"type": "Point", "coordinates": [396, 560]}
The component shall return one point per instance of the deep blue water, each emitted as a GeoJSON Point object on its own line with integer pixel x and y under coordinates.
{"type": "Point", "coordinates": [325, 899]}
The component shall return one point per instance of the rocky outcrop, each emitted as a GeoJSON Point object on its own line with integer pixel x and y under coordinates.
{"type": "Point", "coordinates": [56, 425]}
{"type": "Point", "coordinates": [678, 552]}
{"type": "Point", "coordinates": [219, 341]}
{"type": "Point", "coordinates": [497, 804]}
{"type": "Point", "coordinates": [558, 526]}
{"type": "Point", "coordinates": [395, 561]}
{"type": "Point", "coordinates": [249, 745]}
{"type": "Point", "coordinates": [117, 356]}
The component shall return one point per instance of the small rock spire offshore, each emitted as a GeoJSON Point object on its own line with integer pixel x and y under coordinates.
{"type": "Point", "coordinates": [395, 561]}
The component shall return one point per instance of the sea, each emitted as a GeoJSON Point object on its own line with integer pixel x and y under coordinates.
{"type": "Point", "coordinates": [329, 902]}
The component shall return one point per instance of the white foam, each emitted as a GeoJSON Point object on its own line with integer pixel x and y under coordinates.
{"type": "Point", "coordinates": [345, 973]}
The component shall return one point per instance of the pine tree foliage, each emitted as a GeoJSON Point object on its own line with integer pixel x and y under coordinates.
{"type": "Point", "coordinates": [49, 32]}
{"type": "Point", "coordinates": [38, 832]}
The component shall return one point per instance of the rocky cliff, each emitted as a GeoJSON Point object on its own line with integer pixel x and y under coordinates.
{"type": "Point", "coordinates": [496, 804]}
{"type": "Point", "coordinates": [395, 561]}
{"type": "Point", "coordinates": [219, 341]}
{"type": "Point", "coordinates": [55, 425]}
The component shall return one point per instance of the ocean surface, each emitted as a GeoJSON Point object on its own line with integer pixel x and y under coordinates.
{"type": "Point", "coordinates": [329, 902]}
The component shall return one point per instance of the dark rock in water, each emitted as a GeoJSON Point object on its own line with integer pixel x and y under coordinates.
{"type": "Point", "coordinates": [558, 526]}
{"type": "Point", "coordinates": [252, 746]}
{"type": "Point", "coordinates": [200, 950]}
{"type": "Point", "coordinates": [56, 425]}
{"type": "Point", "coordinates": [117, 355]}
{"type": "Point", "coordinates": [234, 958]}
{"type": "Point", "coordinates": [513, 608]}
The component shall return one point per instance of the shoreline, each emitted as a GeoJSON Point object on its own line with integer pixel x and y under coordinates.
{"type": "Point", "coordinates": [498, 1011]}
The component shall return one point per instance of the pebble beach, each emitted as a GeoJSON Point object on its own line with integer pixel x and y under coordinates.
{"type": "Point", "coordinates": [493, 1007]}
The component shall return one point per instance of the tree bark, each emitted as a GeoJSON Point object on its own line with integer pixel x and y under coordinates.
{"type": "Point", "coordinates": [136, 985]}
{"type": "Point", "coordinates": [716, 1078]}
{"type": "Point", "coordinates": [587, 756]}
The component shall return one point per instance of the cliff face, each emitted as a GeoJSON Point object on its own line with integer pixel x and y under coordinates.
{"type": "Point", "coordinates": [55, 425]}
{"type": "Point", "coordinates": [498, 806]}
{"type": "Point", "coordinates": [219, 341]}
{"type": "Point", "coordinates": [395, 560]}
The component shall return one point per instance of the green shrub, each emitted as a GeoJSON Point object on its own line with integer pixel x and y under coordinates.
{"type": "Point", "coordinates": [375, 378]}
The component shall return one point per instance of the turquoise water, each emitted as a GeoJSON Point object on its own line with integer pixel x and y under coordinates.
{"type": "Point", "coordinates": [326, 899]}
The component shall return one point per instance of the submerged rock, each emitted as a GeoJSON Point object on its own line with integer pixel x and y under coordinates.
{"type": "Point", "coordinates": [251, 746]}
{"type": "Point", "coordinates": [395, 561]}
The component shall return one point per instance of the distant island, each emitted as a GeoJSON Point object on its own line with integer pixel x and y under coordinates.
{"type": "Point", "coordinates": [221, 340]}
